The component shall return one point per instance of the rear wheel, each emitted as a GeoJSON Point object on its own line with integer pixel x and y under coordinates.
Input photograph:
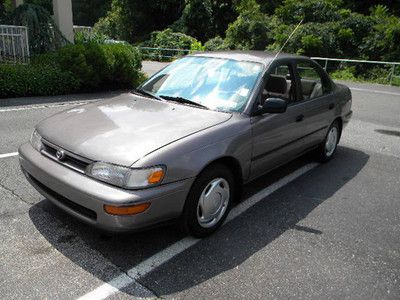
{"type": "Point", "coordinates": [209, 201]}
{"type": "Point", "coordinates": [328, 147]}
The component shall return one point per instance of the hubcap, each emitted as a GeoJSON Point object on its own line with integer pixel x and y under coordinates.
{"type": "Point", "coordinates": [213, 202]}
{"type": "Point", "coordinates": [331, 141]}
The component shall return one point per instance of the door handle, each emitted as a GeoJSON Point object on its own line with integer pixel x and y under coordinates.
{"type": "Point", "coordinates": [331, 106]}
{"type": "Point", "coordinates": [299, 118]}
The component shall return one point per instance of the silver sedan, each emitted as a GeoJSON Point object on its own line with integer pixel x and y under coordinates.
{"type": "Point", "coordinates": [182, 144]}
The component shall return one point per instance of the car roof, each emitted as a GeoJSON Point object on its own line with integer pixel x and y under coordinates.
{"type": "Point", "coordinates": [253, 56]}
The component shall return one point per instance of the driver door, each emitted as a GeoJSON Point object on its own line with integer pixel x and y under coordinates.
{"type": "Point", "coordinates": [277, 138]}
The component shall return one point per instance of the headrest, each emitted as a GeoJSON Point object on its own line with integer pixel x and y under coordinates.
{"type": "Point", "coordinates": [276, 84]}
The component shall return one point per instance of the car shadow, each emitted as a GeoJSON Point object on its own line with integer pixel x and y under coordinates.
{"type": "Point", "coordinates": [243, 236]}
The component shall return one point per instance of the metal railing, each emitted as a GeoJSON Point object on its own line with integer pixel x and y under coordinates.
{"type": "Point", "coordinates": [392, 65]}
{"type": "Point", "coordinates": [163, 54]}
{"type": "Point", "coordinates": [14, 45]}
{"type": "Point", "coordinates": [83, 29]}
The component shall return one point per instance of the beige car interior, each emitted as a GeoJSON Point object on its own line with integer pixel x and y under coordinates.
{"type": "Point", "coordinates": [279, 86]}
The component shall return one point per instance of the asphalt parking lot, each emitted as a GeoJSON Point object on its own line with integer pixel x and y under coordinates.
{"type": "Point", "coordinates": [303, 231]}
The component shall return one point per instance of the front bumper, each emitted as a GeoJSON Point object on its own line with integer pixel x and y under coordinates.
{"type": "Point", "coordinates": [84, 197]}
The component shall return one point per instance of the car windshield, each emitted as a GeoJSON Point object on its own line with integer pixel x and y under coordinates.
{"type": "Point", "coordinates": [214, 83]}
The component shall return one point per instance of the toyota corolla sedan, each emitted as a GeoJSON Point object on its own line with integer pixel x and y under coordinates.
{"type": "Point", "coordinates": [182, 144]}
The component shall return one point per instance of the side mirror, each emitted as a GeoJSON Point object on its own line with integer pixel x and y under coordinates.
{"type": "Point", "coordinates": [272, 106]}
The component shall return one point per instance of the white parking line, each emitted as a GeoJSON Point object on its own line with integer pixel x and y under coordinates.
{"type": "Point", "coordinates": [8, 154]}
{"type": "Point", "coordinates": [375, 91]}
{"type": "Point", "coordinates": [168, 253]}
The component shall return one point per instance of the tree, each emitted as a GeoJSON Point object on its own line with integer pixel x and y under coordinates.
{"type": "Point", "coordinates": [251, 29]}
{"type": "Point", "coordinates": [88, 12]}
{"type": "Point", "coordinates": [133, 21]}
{"type": "Point", "coordinates": [205, 19]}
{"type": "Point", "coordinates": [269, 6]}
{"type": "Point", "coordinates": [384, 40]}
{"type": "Point", "coordinates": [292, 11]}
{"type": "Point", "coordinates": [197, 19]}
{"type": "Point", "coordinates": [43, 33]}
{"type": "Point", "coordinates": [364, 6]}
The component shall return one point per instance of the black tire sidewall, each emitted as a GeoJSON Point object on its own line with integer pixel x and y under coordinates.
{"type": "Point", "coordinates": [190, 223]}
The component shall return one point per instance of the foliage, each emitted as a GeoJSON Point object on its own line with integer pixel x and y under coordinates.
{"type": "Point", "coordinates": [5, 9]}
{"type": "Point", "coordinates": [364, 6]}
{"type": "Point", "coordinates": [197, 19]}
{"type": "Point", "coordinates": [345, 74]}
{"type": "Point", "coordinates": [215, 44]}
{"type": "Point", "coordinates": [42, 32]}
{"type": "Point", "coordinates": [168, 39]}
{"type": "Point", "coordinates": [205, 19]}
{"type": "Point", "coordinates": [99, 66]}
{"type": "Point", "coordinates": [87, 12]}
{"type": "Point", "coordinates": [46, 4]}
{"type": "Point", "coordinates": [74, 68]}
{"type": "Point", "coordinates": [375, 74]}
{"type": "Point", "coordinates": [292, 11]}
{"type": "Point", "coordinates": [197, 46]}
{"type": "Point", "coordinates": [252, 28]}
{"type": "Point", "coordinates": [384, 40]}
{"type": "Point", "coordinates": [34, 80]}
{"type": "Point", "coordinates": [223, 14]}
{"type": "Point", "coordinates": [268, 7]}
{"type": "Point", "coordinates": [83, 37]}
{"type": "Point", "coordinates": [133, 21]}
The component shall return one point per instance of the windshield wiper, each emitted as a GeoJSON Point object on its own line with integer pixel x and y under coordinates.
{"type": "Point", "coordinates": [147, 93]}
{"type": "Point", "coordinates": [183, 100]}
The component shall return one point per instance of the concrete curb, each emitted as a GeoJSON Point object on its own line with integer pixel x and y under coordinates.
{"type": "Point", "coordinates": [7, 102]}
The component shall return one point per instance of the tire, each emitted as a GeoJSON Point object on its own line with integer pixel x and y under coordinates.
{"type": "Point", "coordinates": [200, 217]}
{"type": "Point", "coordinates": [327, 148]}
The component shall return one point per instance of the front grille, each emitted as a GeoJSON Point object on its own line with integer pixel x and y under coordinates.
{"type": "Point", "coordinates": [68, 203]}
{"type": "Point", "coordinates": [70, 160]}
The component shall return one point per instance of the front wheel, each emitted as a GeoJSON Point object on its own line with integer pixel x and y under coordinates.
{"type": "Point", "coordinates": [209, 201]}
{"type": "Point", "coordinates": [328, 147]}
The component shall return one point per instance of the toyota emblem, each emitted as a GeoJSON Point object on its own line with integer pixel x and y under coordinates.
{"type": "Point", "coordinates": [60, 154]}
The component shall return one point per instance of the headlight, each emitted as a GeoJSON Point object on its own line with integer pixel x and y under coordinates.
{"type": "Point", "coordinates": [36, 141]}
{"type": "Point", "coordinates": [124, 177]}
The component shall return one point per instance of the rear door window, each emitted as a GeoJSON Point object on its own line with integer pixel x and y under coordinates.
{"type": "Point", "coordinates": [312, 84]}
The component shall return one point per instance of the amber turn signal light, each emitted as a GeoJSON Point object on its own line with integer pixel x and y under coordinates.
{"type": "Point", "coordinates": [155, 177]}
{"type": "Point", "coordinates": [126, 210]}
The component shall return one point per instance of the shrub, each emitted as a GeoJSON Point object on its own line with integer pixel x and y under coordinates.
{"type": "Point", "coordinates": [124, 66]}
{"type": "Point", "coordinates": [86, 61]}
{"type": "Point", "coordinates": [345, 74]}
{"type": "Point", "coordinates": [215, 44]}
{"type": "Point", "coordinates": [102, 66]}
{"type": "Point", "coordinates": [83, 37]}
{"type": "Point", "coordinates": [197, 46]}
{"type": "Point", "coordinates": [170, 40]}
{"type": "Point", "coordinates": [74, 68]}
{"type": "Point", "coordinates": [34, 80]}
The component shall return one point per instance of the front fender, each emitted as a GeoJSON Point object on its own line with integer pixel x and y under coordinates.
{"type": "Point", "coordinates": [187, 157]}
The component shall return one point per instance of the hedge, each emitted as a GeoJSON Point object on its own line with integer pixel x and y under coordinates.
{"type": "Point", "coordinates": [74, 68]}
{"type": "Point", "coordinates": [35, 80]}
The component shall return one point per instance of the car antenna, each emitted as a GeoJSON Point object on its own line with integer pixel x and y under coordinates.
{"type": "Point", "coordinates": [287, 40]}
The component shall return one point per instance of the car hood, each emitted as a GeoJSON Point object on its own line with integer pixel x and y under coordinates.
{"type": "Point", "coordinates": [123, 129]}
